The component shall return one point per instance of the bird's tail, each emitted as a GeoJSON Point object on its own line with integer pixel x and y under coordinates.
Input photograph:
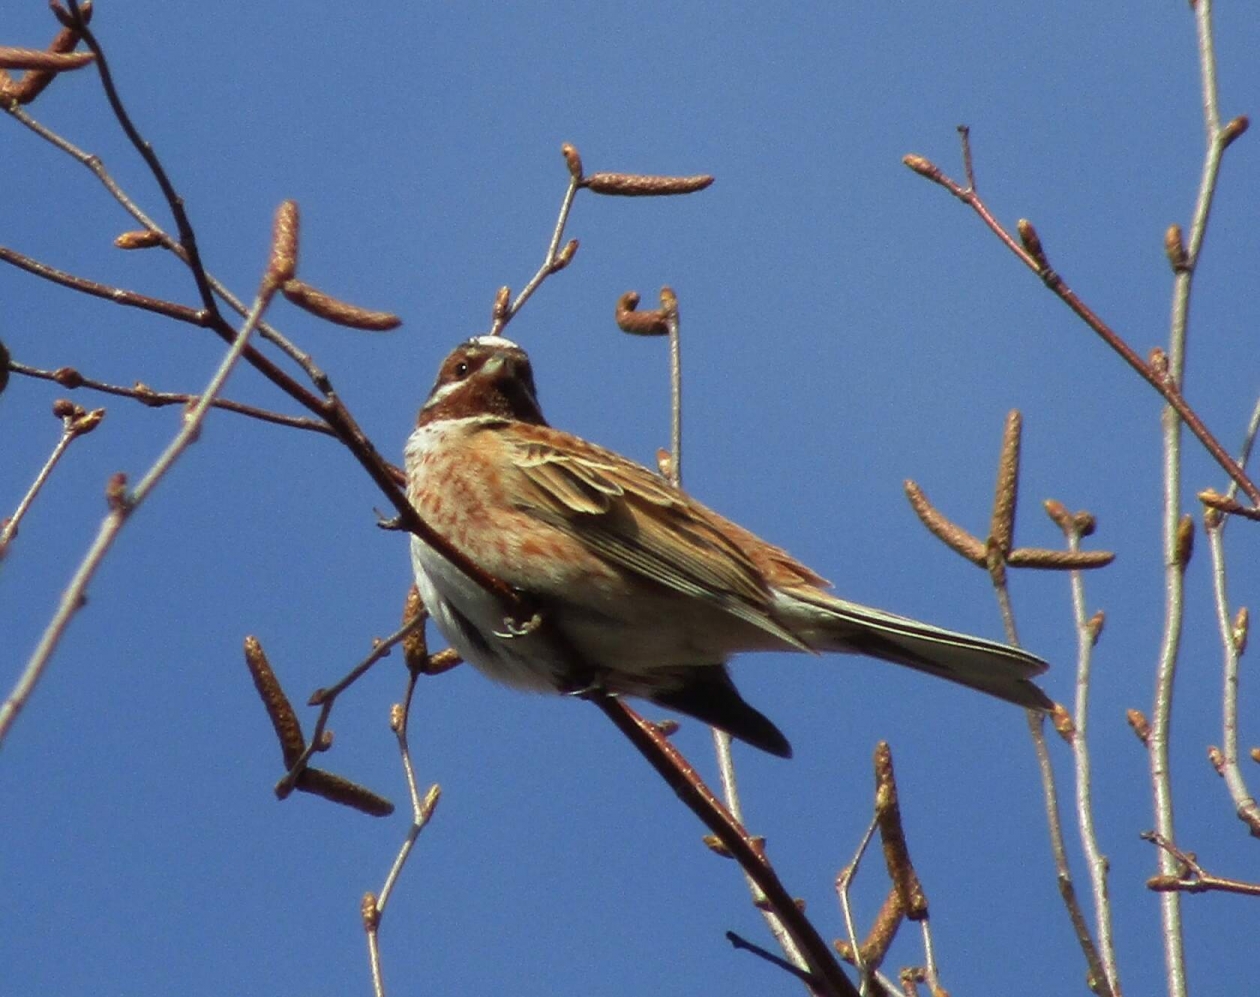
{"type": "Point", "coordinates": [826, 623]}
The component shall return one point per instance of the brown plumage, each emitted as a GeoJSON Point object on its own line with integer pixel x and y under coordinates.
{"type": "Point", "coordinates": [653, 590]}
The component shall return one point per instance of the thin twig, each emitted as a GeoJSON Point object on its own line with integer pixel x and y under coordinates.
{"type": "Point", "coordinates": [740, 942]}
{"type": "Point", "coordinates": [1095, 861]}
{"type": "Point", "coordinates": [1098, 979]}
{"type": "Point", "coordinates": [1249, 441]}
{"type": "Point", "coordinates": [843, 881]}
{"type": "Point", "coordinates": [72, 428]}
{"type": "Point", "coordinates": [553, 255]}
{"type": "Point", "coordinates": [669, 305]}
{"type": "Point", "coordinates": [1244, 803]}
{"type": "Point", "coordinates": [329, 407]}
{"type": "Point", "coordinates": [1190, 877]}
{"type": "Point", "coordinates": [721, 740]}
{"type": "Point", "coordinates": [827, 976]}
{"type": "Point", "coordinates": [121, 507]}
{"type": "Point", "coordinates": [96, 165]}
{"type": "Point", "coordinates": [187, 237]}
{"type": "Point", "coordinates": [421, 812]}
{"type": "Point", "coordinates": [325, 698]}
{"type": "Point", "coordinates": [1164, 385]}
{"type": "Point", "coordinates": [1217, 139]}
{"type": "Point", "coordinates": [1002, 520]}
{"type": "Point", "coordinates": [130, 299]}
{"type": "Point", "coordinates": [70, 378]}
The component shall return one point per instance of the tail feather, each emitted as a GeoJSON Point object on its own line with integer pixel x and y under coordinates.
{"type": "Point", "coordinates": [833, 624]}
{"type": "Point", "coordinates": [708, 694]}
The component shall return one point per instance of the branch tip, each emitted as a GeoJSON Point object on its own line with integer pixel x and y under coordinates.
{"type": "Point", "coordinates": [137, 239]}
{"type": "Point", "coordinates": [565, 256]}
{"type": "Point", "coordinates": [502, 304]}
{"type": "Point", "coordinates": [1175, 249]}
{"type": "Point", "coordinates": [1232, 130]}
{"type": "Point", "coordinates": [922, 166]}
{"type": "Point", "coordinates": [369, 912]}
{"type": "Point", "coordinates": [1094, 627]}
{"type": "Point", "coordinates": [573, 160]}
{"type": "Point", "coordinates": [1032, 243]}
{"type": "Point", "coordinates": [1064, 725]}
{"type": "Point", "coordinates": [1141, 727]}
{"type": "Point", "coordinates": [1238, 633]}
{"type": "Point", "coordinates": [1184, 545]}
{"type": "Point", "coordinates": [116, 496]}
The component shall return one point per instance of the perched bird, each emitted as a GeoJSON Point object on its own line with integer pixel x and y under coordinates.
{"type": "Point", "coordinates": [649, 590]}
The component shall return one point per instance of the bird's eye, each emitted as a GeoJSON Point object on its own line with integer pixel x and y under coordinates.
{"type": "Point", "coordinates": [461, 369]}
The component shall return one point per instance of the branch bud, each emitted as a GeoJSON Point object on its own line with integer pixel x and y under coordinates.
{"type": "Point", "coordinates": [1137, 720]}
{"type": "Point", "coordinates": [1175, 249]}
{"type": "Point", "coordinates": [84, 422]}
{"type": "Point", "coordinates": [1183, 545]}
{"type": "Point", "coordinates": [664, 462]}
{"type": "Point", "coordinates": [572, 160]}
{"type": "Point", "coordinates": [1058, 512]}
{"type": "Point", "coordinates": [370, 913]}
{"type": "Point", "coordinates": [1242, 621]}
{"type": "Point", "coordinates": [565, 256]}
{"type": "Point", "coordinates": [1233, 130]}
{"type": "Point", "coordinates": [502, 302]}
{"type": "Point", "coordinates": [116, 496]}
{"type": "Point", "coordinates": [922, 166]}
{"type": "Point", "coordinates": [1063, 723]}
{"type": "Point", "coordinates": [137, 239]}
{"type": "Point", "coordinates": [1032, 243]}
{"type": "Point", "coordinates": [68, 377]}
{"type": "Point", "coordinates": [1094, 627]}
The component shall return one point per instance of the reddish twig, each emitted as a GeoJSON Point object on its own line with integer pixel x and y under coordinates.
{"type": "Point", "coordinates": [826, 974]}
{"type": "Point", "coordinates": [1033, 256]}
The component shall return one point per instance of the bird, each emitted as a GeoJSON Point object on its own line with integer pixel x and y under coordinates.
{"type": "Point", "coordinates": [638, 589]}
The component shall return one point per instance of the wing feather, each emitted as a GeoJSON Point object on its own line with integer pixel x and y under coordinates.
{"type": "Point", "coordinates": [635, 520]}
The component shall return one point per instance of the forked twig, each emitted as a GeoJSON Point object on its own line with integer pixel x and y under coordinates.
{"type": "Point", "coordinates": [1188, 876]}
{"type": "Point", "coordinates": [70, 378]}
{"type": "Point", "coordinates": [1033, 256]}
{"type": "Point", "coordinates": [122, 504]}
{"type": "Point", "coordinates": [372, 908]}
{"type": "Point", "coordinates": [1233, 631]}
{"type": "Point", "coordinates": [75, 422]}
{"type": "Point", "coordinates": [1001, 534]}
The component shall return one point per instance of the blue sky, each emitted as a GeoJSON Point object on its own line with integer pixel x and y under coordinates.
{"type": "Point", "coordinates": [847, 326]}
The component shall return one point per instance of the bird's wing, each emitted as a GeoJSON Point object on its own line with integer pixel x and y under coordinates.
{"type": "Point", "coordinates": [636, 520]}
